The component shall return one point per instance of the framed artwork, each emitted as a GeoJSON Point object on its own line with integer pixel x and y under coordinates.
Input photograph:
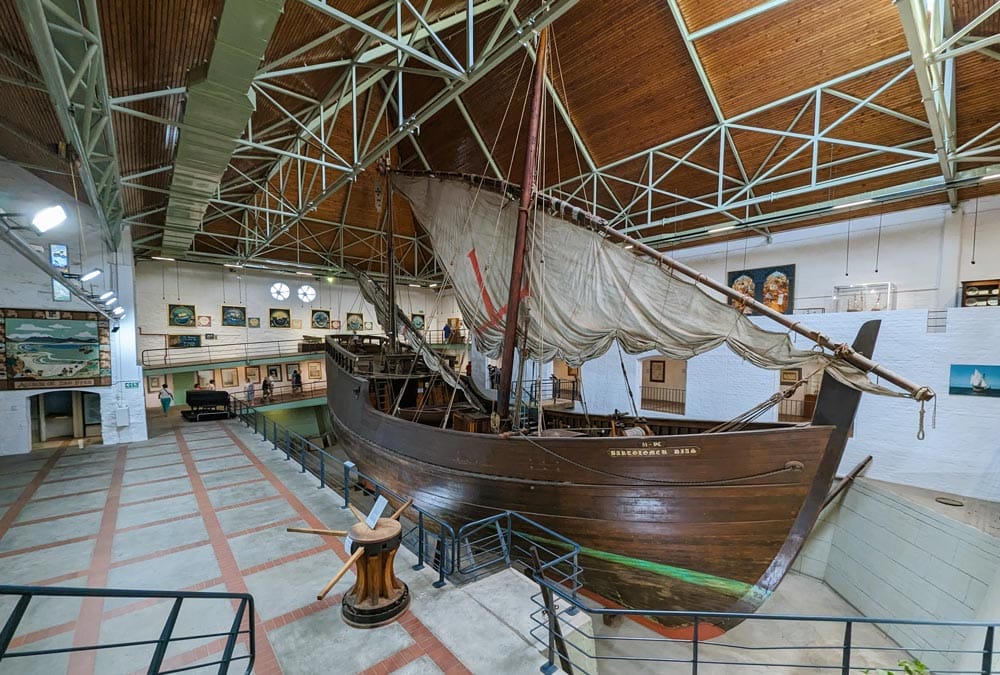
{"type": "Point", "coordinates": [572, 372]}
{"type": "Point", "coordinates": [279, 318]}
{"type": "Point", "coordinates": [368, 325]}
{"type": "Point", "coordinates": [181, 315]}
{"type": "Point", "coordinates": [417, 320]}
{"type": "Point", "coordinates": [289, 369]}
{"type": "Point", "coordinates": [253, 322]}
{"type": "Point", "coordinates": [183, 341]}
{"type": "Point", "coordinates": [315, 370]}
{"type": "Point", "coordinates": [657, 371]}
{"type": "Point", "coordinates": [38, 352]}
{"type": "Point", "coordinates": [335, 324]}
{"type": "Point", "coordinates": [772, 286]}
{"type": "Point", "coordinates": [234, 316]}
{"type": "Point", "coordinates": [790, 375]}
{"type": "Point", "coordinates": [230, 377]}
{"type": "Point", "coordinates": [320, 319]}
{"type": "Point", "coordinates": [274, 373]}
{"type": "Point", "coordinates": [153, 383]}
{"type": "Point", "coordinates": [355, 321]}
{"type": "Point", "coordinates": [974, 380]}
{"type": "Point", "coordinates": [204, 321]}
{"type": "Point", "coordinates": [296, 323]}
{"type": "Point", "coordinates": [60, 293]}
{"type": "Point", "coordinates": [59, 256]}
{"type": "Point", "coordinates": [252, 373]}
{"type": "Point", "coordinates": [203, 378]}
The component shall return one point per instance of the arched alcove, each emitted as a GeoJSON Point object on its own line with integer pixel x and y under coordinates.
{"type": "Point", "coordinates": [65, 416]}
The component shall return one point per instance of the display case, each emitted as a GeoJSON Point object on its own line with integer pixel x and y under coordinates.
{"type": "Point", "coordinates": [871, 297]}
{"type": "Point", "coordinates": [982, 293]}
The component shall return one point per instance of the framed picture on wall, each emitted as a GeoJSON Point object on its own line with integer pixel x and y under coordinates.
{"type": "Point", "coordinates": [279, 318]}
{"type": "Point", "coordinates": [183, 341]}
{"type": "Point", "coordinates": [230, 377]}
{"type": "Point", "coordinates": [772, 286]}
{"type": "Point", "coordinates": [274, 373]}
{"type": "Point", "coordinates": [59, 256]}
{"type": "Point", "coordinates": [417, 320]}
{"type": "Point", "coordinates": [335, 324]}
{"type": "Point", "coordinates": [296, 323]}
{"type": "Point", "coordinates": [204, 321]}
{"type": "Point", "coordinates": [355, 321]}
{"type": "Point", "coordinates": [657, 371]}
{"type": "Point", "coordinates": [153, 383]}
{"type": "Point", "coordinates": [60, 293]}
{"type": "Point", "coordinates": [320, 318]}
{"type": "Point", "coordinates": [289, 369]}
{"type": "Point", "coordinates": [790, 375]}
{"type": "Point", "coordinates": [252, 373]}
{"type": "Point", "coordinates": [204, 378]}
{"type": "Point", "coordinates": [315, 370]}
{"type": "Point", "coordinates": [181, 315]}
{"type": "Point", "coordinates": [253, 322]}
{"type": "Point", "coordinates": [234, 316]}
{"type": "Point", "coordinates": [368, 325]}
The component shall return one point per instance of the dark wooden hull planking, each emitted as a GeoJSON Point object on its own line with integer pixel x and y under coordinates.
{"type": "Point", "coordinates": [689, 521]}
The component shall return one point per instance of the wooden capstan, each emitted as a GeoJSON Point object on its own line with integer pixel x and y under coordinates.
{"type": "Point", "coordinates": [377, 596]}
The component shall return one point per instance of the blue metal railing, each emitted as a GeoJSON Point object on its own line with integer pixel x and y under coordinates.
{"type": "Point", "coordinates": [245, 610]}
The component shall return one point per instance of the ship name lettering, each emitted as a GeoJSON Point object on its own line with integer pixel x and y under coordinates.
{"type": "Point", "coordinates": [652, 452]}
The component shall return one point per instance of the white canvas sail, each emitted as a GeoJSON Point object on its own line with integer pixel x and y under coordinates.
{"type": "Point", "coordinates": [583, 292]}
{"type": "Point", "coordinates": [978, 381]}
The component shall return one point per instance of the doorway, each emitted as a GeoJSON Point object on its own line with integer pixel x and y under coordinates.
{"type": "Point", "coordinates": [60, 418]}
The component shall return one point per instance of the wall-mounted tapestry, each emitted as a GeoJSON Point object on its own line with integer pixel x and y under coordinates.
{"type": "Point", "coordinates": [320, 318]}
{"type": "Point", "coordinates": [974, 380]}
{"type": "Point", "coordinates": [41, 349]}
{"type": "Point", "coordinates": [234, 316]}
{"type": "Point", "coordinates": [773, 286]}
{"type": "Point", "coordinates": [279, 318]}
{"type": "Point", "coordinates": [181, 315]}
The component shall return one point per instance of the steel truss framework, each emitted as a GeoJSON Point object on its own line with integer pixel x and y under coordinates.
{"type": "Point", "coordinates": [271, 209]}
{"type": "Point", "coordinates": [66, 39]}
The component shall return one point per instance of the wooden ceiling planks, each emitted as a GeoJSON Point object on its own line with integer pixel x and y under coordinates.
{"type": "Point", "coordinates": [797, 46]}
{"type": "Point", "coordinates": [699, 14]}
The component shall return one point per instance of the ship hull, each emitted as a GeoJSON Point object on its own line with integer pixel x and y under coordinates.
{"type": "Point", "coordinates": [700, 522]}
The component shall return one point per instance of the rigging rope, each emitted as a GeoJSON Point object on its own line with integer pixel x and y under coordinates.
{"type": "Point", "coordinates": [628, 385]}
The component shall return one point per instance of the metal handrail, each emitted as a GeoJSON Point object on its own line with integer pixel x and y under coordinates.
{"type": "Point", "coordinates": [432, 539]}
{"type": "Point", "coordinates": [548, 632]}
{"type": "Point", "coordinates": [244, 609]}
{"type": "Point", "coordinates": [242, 351]}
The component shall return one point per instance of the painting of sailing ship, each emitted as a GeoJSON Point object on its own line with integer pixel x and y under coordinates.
{"type": "Point", "coordinates": [63, 352]}
{"type": "Point", "coordinates": [974, 380]}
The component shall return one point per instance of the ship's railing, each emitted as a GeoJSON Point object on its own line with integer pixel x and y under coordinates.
{"type": "Point", "coordinates": [430, 538]}
{"type": "Point", "coordinates": [366, 350]}
{"type": "Point", "coordinates": [243, 351]}
{"type": "Point", "coordinates": [846, 644]}
{"type": "Point", "coordinates": [549, 389]}
{"type": "Point", "coordinates": [196, 601]}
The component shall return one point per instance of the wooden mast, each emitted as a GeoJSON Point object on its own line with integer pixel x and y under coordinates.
{"type": "Point", "coordinates": [520, 238]}
{"type": "Point", "coordinates": [390, 251]}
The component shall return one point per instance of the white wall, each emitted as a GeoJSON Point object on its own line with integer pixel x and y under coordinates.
{"type": "Point", "coordinates": [24, 286]}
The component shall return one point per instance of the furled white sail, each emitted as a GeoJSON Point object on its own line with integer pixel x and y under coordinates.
{"type": "Point", "coordinates": [583, 292]}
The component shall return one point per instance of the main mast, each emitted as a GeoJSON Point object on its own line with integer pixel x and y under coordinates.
{"type": "Point", "coordinates": [521, 237]}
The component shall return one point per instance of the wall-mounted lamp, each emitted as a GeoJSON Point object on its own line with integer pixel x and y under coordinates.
{"type": "Point", "coordinates": [92, 274]}
{"type": "Point", "coordinates": [110, 301]}
{"type": "Point", "coordinates": [105, 295]}
{"type": "Point", "coordinates": [118, 311]}
{"type": "Point", "coordinates": [48, 218]}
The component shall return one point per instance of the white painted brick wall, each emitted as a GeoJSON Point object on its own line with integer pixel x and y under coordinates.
{"type": "Point", "coordinates": [892, 557]}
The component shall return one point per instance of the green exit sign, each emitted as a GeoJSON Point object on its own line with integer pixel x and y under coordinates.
{"type": "Point", "coordinates": [131, 385]}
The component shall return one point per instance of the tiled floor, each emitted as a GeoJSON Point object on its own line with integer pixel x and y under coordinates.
{"type": "Point", "coordinates": [206, 507]}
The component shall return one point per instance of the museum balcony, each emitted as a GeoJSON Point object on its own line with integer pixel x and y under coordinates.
{"type": "Point", "coordinates": [174, 359]}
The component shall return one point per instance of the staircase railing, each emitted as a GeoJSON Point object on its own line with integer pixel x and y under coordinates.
{"type": "Point", "coordinates": [244, 615]}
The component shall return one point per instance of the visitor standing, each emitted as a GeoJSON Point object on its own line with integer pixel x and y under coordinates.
{"type": "Point", "coordinates": [211, 385]}
{"type": "Point", "coordinates": [265, 389]}
{"type": "Point", "coordinates": [296, 382]}
{"type": "Point", "coordinates": [446, 331]}
{"type": "Point", "coordinates": [250, 392]}
{"type": "Point", "coordinates": [166, 398]}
